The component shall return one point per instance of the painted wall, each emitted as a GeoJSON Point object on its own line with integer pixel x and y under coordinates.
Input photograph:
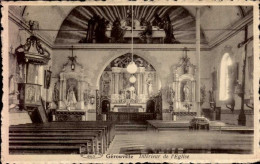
{"type": "Point", "coordinates": [238, 53]}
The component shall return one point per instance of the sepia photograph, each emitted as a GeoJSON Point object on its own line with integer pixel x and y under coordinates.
{"type": "Point", "coordinates": [126, 81]}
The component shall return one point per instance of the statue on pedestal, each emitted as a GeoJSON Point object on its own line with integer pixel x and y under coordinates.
{"type": "Point", "coordinates": [92, 23]}
{"type": "Point", "coordinates": [100, 31]}
{"type": "Point", "coordinates": [71, 98]}
{"type": "Point", "coordinates": [56, 94]}
{"type": "Point", "coordinates": [149, 82]}
{"type": "Point", "coordinates": [146, 35]}
{"type": "Point", "coordinates": [186, 91]}
{"type": "Point", "coordinates": [117, 33]}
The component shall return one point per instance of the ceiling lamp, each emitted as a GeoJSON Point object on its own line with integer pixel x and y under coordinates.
{"type": "Point", "coordinates": [72, 59]}
{"type": "Point", "coordinates": [132, 88]}
{"type": "Point", "coordinates": [132, 79]}
{"type": "Point", "coordinates": [132, 67]}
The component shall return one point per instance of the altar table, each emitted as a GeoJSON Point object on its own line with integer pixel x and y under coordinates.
{"type": "Point", "coordinates": [72, 115]}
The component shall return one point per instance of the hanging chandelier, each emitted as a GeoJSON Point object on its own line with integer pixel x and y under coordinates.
{"type": "Point", "coordinates": [132, 79]}
{"type": "Point", "coordinates": [132, 67]}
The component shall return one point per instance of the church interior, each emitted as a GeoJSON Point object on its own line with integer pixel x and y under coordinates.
{"type": "Point", "coordinates": [103, 79]}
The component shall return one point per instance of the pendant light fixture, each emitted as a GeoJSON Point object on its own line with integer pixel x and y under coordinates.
{"type": "Point", "coordinates": [132, 79]}
{"type": "Point", "coordinates": [132, 67]}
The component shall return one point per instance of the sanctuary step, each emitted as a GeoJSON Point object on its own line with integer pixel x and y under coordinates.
{"type": "Point", "coordinates": [130, 127]}
{"type": "Point", "coordinates": [160, 125]}
{"type": "Point", "coordinates": [61, 137]}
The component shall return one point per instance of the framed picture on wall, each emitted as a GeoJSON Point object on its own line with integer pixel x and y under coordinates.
{"type": "Point", "coordinates": [47, 79]}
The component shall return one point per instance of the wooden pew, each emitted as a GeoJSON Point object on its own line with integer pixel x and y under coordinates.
{"type": "Point", "coordinates": [97, 134]}
{"type": "Point", "coordinates": [35, 140]}
{"type": "Point", "coordinates": [107, 126]}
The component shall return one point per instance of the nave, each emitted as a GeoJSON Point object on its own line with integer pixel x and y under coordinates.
{"type": "Point", "coordinates": [92, 80]}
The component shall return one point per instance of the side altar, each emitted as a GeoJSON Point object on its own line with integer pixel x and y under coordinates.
{"type": "Point", "coordinates": [72, 87]}
{"type": "Point", "coordinates": [183, 89]}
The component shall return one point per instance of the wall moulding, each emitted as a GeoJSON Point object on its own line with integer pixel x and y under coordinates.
{"type": "Point", "coordinates": [20, 22]}
{"type": "Point", "coordinates": [247, 20]}
{"type": "Point", "coordinates": [105, 47]}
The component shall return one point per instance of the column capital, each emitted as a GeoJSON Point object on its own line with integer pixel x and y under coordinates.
{"type": "Point", "coordinates": [141, 69]}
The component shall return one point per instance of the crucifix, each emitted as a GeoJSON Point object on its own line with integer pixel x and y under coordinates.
{"type": "Point", "coordinates": [242, 116]}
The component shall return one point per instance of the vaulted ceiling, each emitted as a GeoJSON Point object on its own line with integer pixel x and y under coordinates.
{"type": "Point", "coordinates": [183, 22]}
{"type": "Point", "coordinates": [68, 24]}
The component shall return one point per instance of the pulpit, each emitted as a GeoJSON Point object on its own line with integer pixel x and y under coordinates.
{"type": "Point", "coordinates": [31, 59]}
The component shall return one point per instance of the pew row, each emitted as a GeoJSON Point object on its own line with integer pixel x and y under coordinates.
{"type": "Point", "coordinates": [61, 137]}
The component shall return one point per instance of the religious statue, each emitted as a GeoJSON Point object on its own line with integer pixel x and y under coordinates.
{"type": "Point", "coordinates": [143, 22]}
{"type": "Point", "coordinates": [30, 94]}
{"type": "Point", "coordinates": [211, 95]}
{"type": "Point", "coordinates": [157, 21]}
{"type": "Point", "coordinates": [146, 35]}
{"type": "Point", "coordinates": [150, 88]}
{"type": "Point", "coordinates": [71, 98]}
{"type": "Point", "coordinates": [106, 84]}
{"type": "Point", "coordinates": [92, 23]}
{"type": "Point", "coordinates": [20, 73]}
{"type": "Point", "coordinates": [169, 37]}
{"type": "Point", "coordinates": [12, 85]}
{"type": "Point", "coordinates": [122, 97]}
{"type": "Point", "coordinates": [129, 18]}
{"type": "Point", "coordinates": [128, 95]}
{"type": "Point", "coordinates": [171, 95]}
{"type": "Point", "coordinates": [186, 92]}
{"type": "Point", "coordinates": [168, 30]}
{"type": "Point", "coordinates": [133, 96]}
{"type": "Point", "coordinates": [56, 94]}
{"type": "Point", "coordinates": [149, 82]}
{"type": "Point", "coordinates": [100, 31]}
{"type": "Point", "coordinates": [202, 94]}
{"type": "Point", "coordinates": [117, 33]}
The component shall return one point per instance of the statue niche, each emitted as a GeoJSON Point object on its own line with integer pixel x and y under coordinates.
{"type": "Point", "coordinates": [186, 91]}
{"type": "Point", "coordinates": [71, 97]}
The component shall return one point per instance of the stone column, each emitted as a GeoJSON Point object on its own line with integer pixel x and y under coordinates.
{"type": "Point", "coordinates": [64, 89]}
{"type": "Point", "coordinates": [116, 71]}
{"type": "Point", "coordinates": [198, 59]}
{"type": "Point", "coordinates": [144, 84]}
{"type": "Point", "coordinates": [178, 95]}
{"type": "Point", "coordinates": [142, 71]}
{"type": "Point", "coordinates": [115, 95]}
{"type": "Point", "coordinates": [61, 93]}
{"type": "Point", "coordinates": [79, 90]}
{"type": "Point", "coordinates": [116, 83]}
{"type": "Point", "coordinates": [138, 83]}
{"type": "Point", "coordinates": [112, 85]}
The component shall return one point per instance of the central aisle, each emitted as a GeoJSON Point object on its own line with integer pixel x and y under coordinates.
{"type": "Point", "coordinates": [180, 141]}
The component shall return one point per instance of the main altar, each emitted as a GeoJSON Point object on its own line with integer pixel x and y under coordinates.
{"type": "Point", "coordinates": [128, 96]}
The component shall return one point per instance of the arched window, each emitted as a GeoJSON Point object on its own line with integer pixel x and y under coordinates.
{"type": "Point", "coordinates": [225, 87]}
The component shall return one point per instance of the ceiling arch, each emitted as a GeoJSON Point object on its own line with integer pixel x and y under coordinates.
{"type": "Point", "coordinates": [53, 17]}
{"type": "Point", "coordinates": [74, 27]}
